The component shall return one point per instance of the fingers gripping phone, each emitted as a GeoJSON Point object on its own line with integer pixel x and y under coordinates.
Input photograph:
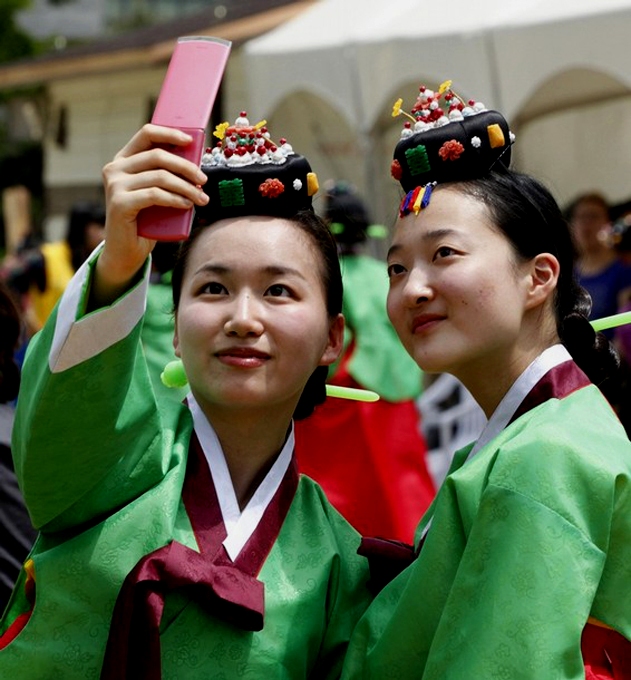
{"type": "Point", "coordinates": [185, 102]}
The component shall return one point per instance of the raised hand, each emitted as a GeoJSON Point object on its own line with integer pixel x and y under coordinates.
{"type": "Point", "coordinates": [142, 174]}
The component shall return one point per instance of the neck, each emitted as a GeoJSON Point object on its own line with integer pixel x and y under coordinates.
{"type": "Point", "coordinates": [490, 379]}
{"type": "Point", "coordinates": [251, 443]}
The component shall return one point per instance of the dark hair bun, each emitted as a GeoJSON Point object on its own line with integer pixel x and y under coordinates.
{"type": "Point", "coordinates": [577, 332]}
{"type": "Point", "coordinates": [346, 214]}
{"type": "Point", "coordinates": [313, 394]}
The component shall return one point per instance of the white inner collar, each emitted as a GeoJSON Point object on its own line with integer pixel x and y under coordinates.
{"type": "Point", "coordinates": [240, 525]}
{"type": "Point", "coordinates": [548, 359]}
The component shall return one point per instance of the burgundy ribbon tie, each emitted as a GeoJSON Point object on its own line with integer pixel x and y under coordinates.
{"type": "Point", "coordinates": [387, 558]}
{"type": "Point", "coordinates": [133, 646]}
{"type": "Point", "coordinates": [228, 590]}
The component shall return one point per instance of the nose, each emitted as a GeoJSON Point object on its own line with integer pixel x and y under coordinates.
{"type": "Point", "coordinates": [245, 317]}
{"type": "Point", "coordinates": [417, 288]}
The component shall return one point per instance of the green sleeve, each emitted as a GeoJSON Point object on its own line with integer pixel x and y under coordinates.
{"type": "Point", "coordinates": [87, 424]}
{"type": "Point", "coordinates": [514, 609]}
{"type": "Point", "coordinates": [348, 596]}
{"type": "Point", "coordinates": [507, 608]}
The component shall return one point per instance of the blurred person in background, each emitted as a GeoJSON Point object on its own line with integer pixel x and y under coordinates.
{"type": "Point", "coordinates": [599, 268]}
{"type": "Point", "coordinates": [39, 272]}
{"type": "Point", "coordinates": [621, 241]}
{"type": "Point", "coordinates": [370, 458]}
{"type": "Point", "coordinates": [606, 276]}
{"type": "Point", "coordinates": [16, 532]}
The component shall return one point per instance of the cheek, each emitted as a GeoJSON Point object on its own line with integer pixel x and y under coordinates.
{"type": "Point", "coordinates": [191, 324]}
{"type": "Point", "coordinates": [303, 330]}
{"type": "Point", "coordinates": [393, 306]}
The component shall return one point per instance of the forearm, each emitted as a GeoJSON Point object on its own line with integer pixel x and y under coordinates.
{"type": "Point", "coordinates": [79, 376]}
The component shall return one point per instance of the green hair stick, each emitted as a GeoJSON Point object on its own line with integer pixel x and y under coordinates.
{"type": "Point", "coordinates": [174, 376]}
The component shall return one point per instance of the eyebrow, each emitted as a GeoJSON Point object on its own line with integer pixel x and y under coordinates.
{"type": "Point", "coordinates": [272, 270]}
{"type": "Point", "coordinates": [433, 235]}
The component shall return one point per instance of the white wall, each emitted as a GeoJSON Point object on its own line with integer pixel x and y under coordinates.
{"type": "Point", "coordinates": [580, 150]}
{"type": "Point", "coordinates": [103, 112]}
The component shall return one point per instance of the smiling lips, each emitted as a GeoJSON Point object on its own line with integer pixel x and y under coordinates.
{"type": "Point", "coordinates": [424, 322]}
{"type": "Point", "coordinates": [242, 356]}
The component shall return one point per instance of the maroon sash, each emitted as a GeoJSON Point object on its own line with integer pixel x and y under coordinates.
{"type": "Point", "coordinates": [227, 589]}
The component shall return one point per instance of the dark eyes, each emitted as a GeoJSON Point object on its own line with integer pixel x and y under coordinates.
{"type": "Point", "coordinates": [215, 288]}
{"type": "Point", "coordinates": [440, 253]}
{"type": "Point", "coordinates": [443, 251]}
{"type": "Point", "coordinates": [394, 269]}
{"type": "Point", "coordinates": [278, 290]}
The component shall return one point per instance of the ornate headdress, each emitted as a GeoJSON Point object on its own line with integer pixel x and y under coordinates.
{"type": "Point", "coordinates": [250, 174]}
{"type": "Point", "coordinates": [446, 140]}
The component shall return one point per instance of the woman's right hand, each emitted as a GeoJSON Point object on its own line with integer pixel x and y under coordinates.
{"type": "Point", "coordinates": [141, 175]}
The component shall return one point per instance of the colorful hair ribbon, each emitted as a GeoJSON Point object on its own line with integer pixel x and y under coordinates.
{"type": "Point", "coordinates": [405, 204]}
{"type": "Point", "coordinates": [416, 200]}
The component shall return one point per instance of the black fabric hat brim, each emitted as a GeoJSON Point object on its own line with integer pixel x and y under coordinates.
{"type": "Point", "coordinates": [234, 191]}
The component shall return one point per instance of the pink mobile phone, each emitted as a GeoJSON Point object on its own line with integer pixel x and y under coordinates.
{"type": "Point", "coordinates": [185, 102]}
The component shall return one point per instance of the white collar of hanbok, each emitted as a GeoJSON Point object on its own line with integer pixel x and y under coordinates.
{"type": "Point", "coordinates": [240, 524]}
{"type": "Point", "coordinates": [501, 417]}
{"type": "Point", "coordinates": [548, 359]}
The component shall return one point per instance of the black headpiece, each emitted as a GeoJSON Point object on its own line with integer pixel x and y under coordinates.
{"type": "Point", "coordinates": [249, 174]}
{"type": "Point", "coordinates": [446, 140]}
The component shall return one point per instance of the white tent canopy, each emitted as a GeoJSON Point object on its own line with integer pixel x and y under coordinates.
{"type": "Point", "coordinates": [355, 53]}
{"type": "Point", "coordinates": [527, 58]}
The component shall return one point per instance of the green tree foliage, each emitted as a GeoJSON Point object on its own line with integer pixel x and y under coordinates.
{"type": "Point", "coordinates": [14, 43]}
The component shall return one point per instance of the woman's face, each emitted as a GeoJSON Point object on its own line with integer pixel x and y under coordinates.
{"type": "Point", "coordinates": [457, 294]}
{"type": "Point", "coordinates": [252, 324]}
{"type": "Point", "coordinates": [590, 226]}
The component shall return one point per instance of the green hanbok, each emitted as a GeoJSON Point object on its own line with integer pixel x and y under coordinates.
{"type": "Point", "coordinates": [103, 471]}
{"type": "Point", "coordinates": [528, 537]}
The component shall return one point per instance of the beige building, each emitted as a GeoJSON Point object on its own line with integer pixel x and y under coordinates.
{"type": "Point", "coordinates": [94, 97]}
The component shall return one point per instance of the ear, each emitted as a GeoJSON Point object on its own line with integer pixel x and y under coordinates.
{"type": "Point", "coordinates": [176, 341]}
{"type": "Point", "coordinates": [542, 279]}
{"type": "Point", "coordinates": [335, 342]}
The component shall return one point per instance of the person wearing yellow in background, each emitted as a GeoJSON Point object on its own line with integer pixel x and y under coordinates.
{"type": "Point", "coordinates": [40, 273]}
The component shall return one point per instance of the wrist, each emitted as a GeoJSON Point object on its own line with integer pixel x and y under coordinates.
{"type": "Point", "coordinates": [112, 278]}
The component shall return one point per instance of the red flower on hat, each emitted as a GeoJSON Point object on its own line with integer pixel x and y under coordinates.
{"type": "Point", "coordinates": [451, 150]}
{"type": "Point", "coordinates": [395, 170]}
{"type": "Point", "coordinates": [271, 188]}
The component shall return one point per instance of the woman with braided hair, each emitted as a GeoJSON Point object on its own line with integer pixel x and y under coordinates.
{"type": "Point", "coordinates": [522, 565]}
